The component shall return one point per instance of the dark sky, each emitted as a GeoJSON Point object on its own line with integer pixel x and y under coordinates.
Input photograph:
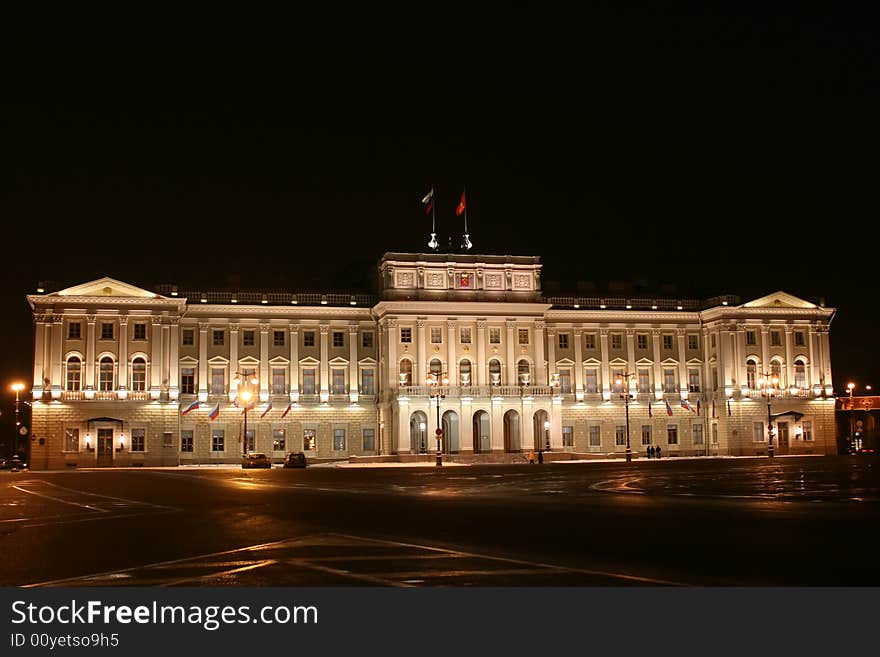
{"type": "Point", "coordinates": [721, 152]}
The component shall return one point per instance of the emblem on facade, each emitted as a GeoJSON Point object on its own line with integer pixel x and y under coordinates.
{"type": "Point", "coordinates": [494, 281]}
{"type": "Point", "coordinates": [464, 280]}
{"type": "Point", "coordinates": [435, 279]}
{"type": "Point", "coordinates": [521, 282]}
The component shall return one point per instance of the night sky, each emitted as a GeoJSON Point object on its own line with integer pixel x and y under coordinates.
{"type": "Point", "coordinates": [721, 153]}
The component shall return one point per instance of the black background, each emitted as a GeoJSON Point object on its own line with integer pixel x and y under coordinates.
{"type": "Point", "coordinates": [716, 151]}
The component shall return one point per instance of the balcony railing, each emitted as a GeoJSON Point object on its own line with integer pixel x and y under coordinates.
{"type": "Point", "coordinates": [476, 391]}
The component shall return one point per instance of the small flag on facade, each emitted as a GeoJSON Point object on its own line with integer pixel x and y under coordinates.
{"type": "Point", "coordinates": [215, 412]}
{"type": "Point", "coordinates": [191, 407]}
{"type": "Point", "coordinates": [713, 409]}
{"type": "Point", "coordinates": [461, 206]}
{"type": "Point", "coordinates": [251, 405]}
{"type": "Point", "coordinates": [668, 408]}
{"type": "Point", "coordinates": [268, 408]}
{"type": "Point", "coordinates": [428, 201]}
{"type": "Point", "coordinates": [699, 406]}
{"type": "Point", "coordinates": [728, 407]}
{"type": "Point", "coordinates": [650, 410]}
{"type": "Point", "coordinates": [287, 410]}
{"type": "Point", "coordinates": [685, 404]}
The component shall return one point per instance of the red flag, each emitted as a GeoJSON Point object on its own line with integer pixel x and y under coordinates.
{"type": "Point", "coordinates": [461, 206]}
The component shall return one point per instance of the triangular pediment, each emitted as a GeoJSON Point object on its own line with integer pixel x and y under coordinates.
{"type": "Point", "coordinates": [107, 287]}
{"type": "Point", "coordinates": [779, 300]}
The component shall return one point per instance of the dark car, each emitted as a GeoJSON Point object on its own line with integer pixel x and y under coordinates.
{"type": "Point", "coordinates": [295, 460]}
{"type": "Point", "coordinates": [15, 464]}
{"type": "Point", "coordinates": [256, 460]}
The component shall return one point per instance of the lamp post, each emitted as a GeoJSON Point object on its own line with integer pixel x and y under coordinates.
{"type": "Point", "coordinates": [244, 392]}
{"type": "Point", "coordinates": [768, 384]}
{"type": "Point", "coordinates": [852, 426]}
{"type": "Point", "coordinates": [422, 446]}
{"type": "Point", "coordinates": [547, 435]}
{"type": "Point", "coordinates": [624, 379]}
{"type": "Point", "coordinates": [18, 387]}
{"type": "Point", "coordinates": [435, 380]}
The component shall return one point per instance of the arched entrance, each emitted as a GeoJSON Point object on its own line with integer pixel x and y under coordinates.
{"type": "Point", "coordinates": [538, 429]}
{"type": "Point", "coordinates": [511, 432]}
{"type": "Point", "coordinates": [418, 428]}
{"type": "Point", "coordinates": [450, 433]}
{"type": "Point", "coordinates": [482, 443]}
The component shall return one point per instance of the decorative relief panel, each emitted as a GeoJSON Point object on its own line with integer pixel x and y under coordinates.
{"type": "Point", "coordinates": [435, 280]}
{"type": "Point", "coordinates": [405, 279]}
{"type": "Point", "coordinates": [522, 282]}
{"type": "Point", "coordinates": [494, 281]}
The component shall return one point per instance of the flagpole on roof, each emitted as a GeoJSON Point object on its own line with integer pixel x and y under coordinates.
{"type": "Point", "coordinates": [466, 241]}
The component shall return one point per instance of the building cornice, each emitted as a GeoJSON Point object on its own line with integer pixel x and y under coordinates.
{"type": "Point", "coordinates": [458, 308]}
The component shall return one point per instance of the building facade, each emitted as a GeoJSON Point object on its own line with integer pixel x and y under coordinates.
{"type": "Point", "coordinates": [125, 376]}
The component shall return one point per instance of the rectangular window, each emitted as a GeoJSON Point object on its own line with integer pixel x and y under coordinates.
{"type": "Point", "coordinates": [308, 384]}
{"type": "Point", "coordinates": [436, 335]}
{"type": "Point", "coordinates": [668, 380]}
{"type": "Point", "coordinates": [808, 430]}
{"type": "Point", "coordinates": [590, 340]}
{"type": "Point", "coordinates": [218, 380]}
{"type": "Point", "coordinates": [338, 440]}
{"type": "Point", "coordinates": [337, 379]}
{"type": "Point", "coordinates": [714, 434]}
{"type": "Point", "coordinates": [279, 440]}
{"type": "Point", "coordinates": [188, 338]}
{"type": "Point", "coordinates": [369, 439]}
{"type": "Point", "coordinates": [595, 436]}
{"type": "Point", "coordinates": [338, 339]}
{"type": "Point", "coordinates": [247, 338]}
{"type": "Point", "coordinates": [563, 340]}
{"type": "Point", "coordinates": [406, 334]}
{"type": "Point", "coordinates": [494, 336]}
{"type": "Point", "coordinates": [775, 338]}
{"type": "Point", "coordinates": [310, 440]}
{"type": "Point", "coordinates": [250, 440]}
{"type": "Point", "coordinates": [672, 434]}
{"type": "Point", "coordinates": [642, 341]}
{"type": "Point", "coordinates": [714, 378]}
{"type": "Point", "coordinates": [367, 339]}
{"type": "Point", "coordinates": [693, 342]}
{"type": "Point", "coordinates": [646, 434]}
{"type": "Point", "coordinates": [308, 338]}
{"type": "Point", "coordinates": [368, 382]}
{"type": "Point", "coordinates": [751, 338]}
{"type": "Point", "coordinates": [591, 381]}
{"type": "Point", "coordinates": [278, 338]}
{"type": "Point", "coordinates": [568, 436]}
{"type": "Point", "coordinates": [218, 338]}
{"type": "Point", "coordinates": [71, 440]}
{"type": "Point", "coordinates": [694, 380]}
{"type": "Point", "coordinates": [167, 439]}
{"type": "Point", "coordinates": [565, 381]}
{"type": "Point", "coordinates": [799, 339]}
{"type": "Point", "coordinates": [279, 381]}
{"type": "Point", "coordinates": [186, 440]}
{"type": "Point", "coordinates": [140, 331]}
{"type": "Point", "coordinates": [188, 381]}
{"type": "Point", "coordinates": [667, 341]}
{"type": "Point", "coordinates": [74, 374]}
{"type": "Point", "coordinates": [138, 440]}
{"type": "Point", "coordinates": [758, 432]}
{"type": "Point", "coordinates": [712, 341]}
{"type": "Point", "coordinates": [523, 336]}
{"type": "Point", "coordinates": [616, 341]}
{"type": "Point", "coordinates": [464, 335]}
{"type": "Point", "coordinates": [644, 380]}
{"type": "Point", "coordinates": [620, 435]}
{"type": "Point", "coordinates": [698, 434]}
{"type": "Point", "coordinates": [106, 331]}
{"type": "Point", "coordinates": [74, 331]}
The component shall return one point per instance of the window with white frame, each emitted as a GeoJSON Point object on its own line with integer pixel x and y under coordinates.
{"type": "Point", "coordinates": [337, 381]}
{"type": "Point", "coordinates": [644, 379]}
{"type": "Point", "coordinates": [369, 442]}
{"type": "Point", "coordinates": [367, 339]}
{"type": "Point", "coordinates": [714, 434]}
{"type": "Point", "coordinates": [106, 370]}
{"type": "Point", "coordinates": [368, 381]}
{"type": "Point", "coordinates": [595, 436]}
{"type": "Point", "coordinates": [71, 439]}
{"type": "Point", "coordinates": [620, 435]}
{"type": "Point", "coordinates": [565, 381]}
{"type": "Point", "coordinates": [523, 335]}
{"type": "Point", "coordinates": [338, 339]}
{"type": "Point", "coordinates": [279, 440]}
{"type": "Point", "coordinates": [693, 379]}
{"type": "Point", "coordinates": [310, 440]}
{"type": "Point", "coordinates": [697, 434]}
{"type": "Point", "coordinates": [218, 380]}
{"type": "Point", "coordinates": [279, 380]}
{"type": "Point", "coordinates": [188, 380]}
{"type": "Point", "coordinates": [589, 340]}
{"type": "Point", "coordinates": [591, 380]}
{"type": "Point", "coordinates": [464, 335]}
{"type": "Point", "coordinates": [758, 432]}
{"type": "Point", "coordinates": [775, 338]}
{"type": "Point", "coordinates": [751, 374]}
{"type": "Point", "coordinates": [308, 338]}
{"type": "Point", "coordinates": [563, 340]}
{"type": "Point", "coordinates": [808, 430]}
{"type": "Point", "coordinates": [138, 440]}
{"type": "Point", "coordinates": [74, 374]}
{"type": "Point", "coordinates": [616, 341]}
{"type": "Point", "coordinates": [277, 338]}
{"type": "Point", "coordinates": [800, 374]}
{"type": "Point", "coordinates": [672, 434]}
{"type": "Point", "coordinates": [218, 338]}
{"type": "Point", "coordinates": [646, 434]}
{"type": "Point", "coordinates": [668, 379]}
{"type": "Point", "coordinates": [494, 336]}
{"type": "Point", "coordinates": [186, 440]}
{"type": "Point", "coordinates": [568, 436]}
{"type": "Point", "coordinates": [138, 374]}
{"type": "Point", "coordinates": [693, 342]}
{"type": "Point", "coordinates": [667, 341]}
{"type": "Point", "coordinates": [406, 334]}
{"type": "Point", "coordinates": [338, 439]}
{"type": "Point", "coordinates": [436, 335]}
{"type": "Point", "coordinates": [308, 382]}
{"type": "Point", "coordinates": [642, 341]}
{"type": "Point", "coordinates": [140, 331]}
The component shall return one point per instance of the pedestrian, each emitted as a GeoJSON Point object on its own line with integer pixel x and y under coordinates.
{"type": "Point", "coordinates": [532, 457]}
{"type": "Point", "coordinates": [650, 451]}
{"type": "Point", "coordinates": [657, 451]}
{"type": "Point", "coordinates": [540, 456]}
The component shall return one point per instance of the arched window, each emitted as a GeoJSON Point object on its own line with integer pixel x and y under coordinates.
{"type": "Point", "coordinates": [751, 374]}
{"type": "Point", "coordinates": [74, 373]}
{"type": "Point", "coordinates": [105, 373]}
{"type": "Point", "coordinates": [138, 374]}
{"type": "Point", "coordinates": [406, 372]}
{"type": "Point", "coordinates": [495, 372]}
{"type": "Point", "coordinates": [464, 371]}
{"type": "Point", "coordinates": [800, 374]}
{"type": "Point", "coordinates": [776, 372]}
{"type": "Point", "coordinates": [436, 367]}
{"type": "Point", "coordinates": [523, 372]}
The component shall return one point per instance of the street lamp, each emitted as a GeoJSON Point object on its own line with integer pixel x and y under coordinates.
{"type": "Point", "coordinates": [435, 380]}
{"type": "Point", "coordinates": [768, 384]}
{"type": "Point", "coordinates": [245, 384]}
{"type": "Point", "coordinates": [18, 387]}
{"type": "Point", "coordinates": [850, 387]}
{"type": "Point", "coordinates": [422, 447]}
{"type": "Point", "coordinates": [547, 434]}
{"type": "Point", "coordinates": [623, 379]}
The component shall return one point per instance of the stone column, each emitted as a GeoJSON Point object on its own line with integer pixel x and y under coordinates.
{"type": "Point", "coordinates": [233, 361]}
{"type": "Point", "coordinates": [294, 362]}
{"type": "Point", "coordinates": [420, 370]}
{"type": "Point", "coordinates": [89, 365]}
{"type": "Point", "coordinates": [203, 361]}
{"type": "Point", "coordinates": [658, 374]}
{"type": "Point", "coordinates": [122, 383]}
{"type": "Point", "coordinates": [826, 358]}
{"type": "Point", "coordinates": [728, 367]}
{"type": "Point", "coordinates": [606, 369]}
{"type": "Point", "coordinates": [353, 378]}
{"type": "Point", "coordinates": [56, 356]}
{"type": "Point", "coordinates": [451, 364]}
{"type": "Point", "coordinates": [789, 366]}
{"type": "Point", "coordinates": [551, 353]}
{"type": "Point", "coordinates": [155, 357]}
{"type": "Point", "coordinates": [631, 354]}
{"type": "Point", "coordinates": [540, 366]}
{"type": "Point", "coordinates": [578, 364]}
{"type": "Point", "coordinates": [814, 366]}
{"type": "Point", "coordinates": [479, 377]}
{"type": "Point", "coordinates": [682, 363]}
{"type": "Point", "coordinates": [739, 367]}
{"type": "Point", "coordinates": [325, 364]}
{"type": "Point", "coordinates": [765, 348]}
{"type": "Point", "coordinates": [40, 330]}
{"type": "Point", "coordinates": [174, 359]}
{"type": "Point", "coordinates": [166, 353]}
{"type": "Point", "coordinates": [392, 364]}
{"type": "Point", "coordinates": [264, 362]}
{"type": "Point", "coordinates": [510, 325]}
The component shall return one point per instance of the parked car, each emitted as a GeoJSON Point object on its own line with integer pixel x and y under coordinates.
{"type": "Point", "coordinates": [295, 460]}
{"type": "Point", "coordinates": [256, 460]}
{"type": "Point", "coordinates": [15, 464]}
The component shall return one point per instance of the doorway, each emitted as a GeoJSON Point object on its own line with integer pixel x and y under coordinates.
{"type": "Point", "coordinates": [105, 447]}
{"type": "Point", "coordinates": [783, 437]}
